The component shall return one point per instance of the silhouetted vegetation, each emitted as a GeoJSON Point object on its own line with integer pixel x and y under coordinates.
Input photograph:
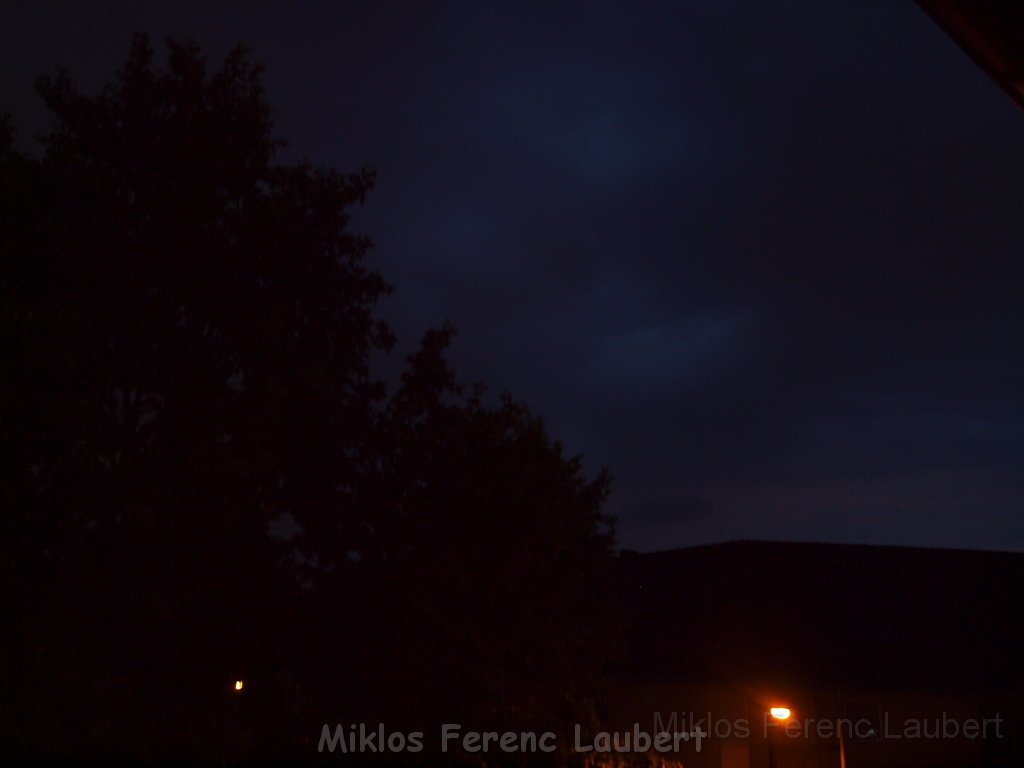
{"type": "Point", "coordinates": [187, 324]}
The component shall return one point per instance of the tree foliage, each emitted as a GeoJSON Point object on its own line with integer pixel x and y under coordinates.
{"type": "Point", "coordinates": [187, 323]}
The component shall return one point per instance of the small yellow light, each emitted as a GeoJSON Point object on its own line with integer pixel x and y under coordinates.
{"type": "Point", "coordinates": [780, 713]}
{"type": "Point", "coordinates": [239, 685]}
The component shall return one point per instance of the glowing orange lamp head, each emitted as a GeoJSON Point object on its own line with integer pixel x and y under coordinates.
{"type": "Point", "coordinates": [239, 685]}
{"type": "Point", "coordinates": [780, 713]}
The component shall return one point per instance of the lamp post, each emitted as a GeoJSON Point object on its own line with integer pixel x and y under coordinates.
{"type": "Point", "coordinates": [778, 716]}
{"type": "Point", "coordinates": [842, 741]}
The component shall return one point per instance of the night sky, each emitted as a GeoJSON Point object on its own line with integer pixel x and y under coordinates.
{"type": "Point", "coordinates": [762, 260]}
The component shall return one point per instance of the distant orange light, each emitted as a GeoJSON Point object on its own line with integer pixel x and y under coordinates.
{"type": "Point", "coordinates": [239, 685]}
{"type": "Point", "coordinates": [780, 713]}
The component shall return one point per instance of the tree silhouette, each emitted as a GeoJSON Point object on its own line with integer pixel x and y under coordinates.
{"type": "Point", "coordinates": [187, 324]}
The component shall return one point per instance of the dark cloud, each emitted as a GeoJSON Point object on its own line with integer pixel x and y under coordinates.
{"type": "Point", "coordinates": [762, 260]}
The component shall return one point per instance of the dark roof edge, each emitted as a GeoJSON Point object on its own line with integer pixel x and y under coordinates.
{"type": "Point", "coordinates": [778, 543]}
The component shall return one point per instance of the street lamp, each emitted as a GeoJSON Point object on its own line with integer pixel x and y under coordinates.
{"type": "Point", "coordinates": [779, 715]}
{"type": "Point", "coordinates": [842, 742]}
